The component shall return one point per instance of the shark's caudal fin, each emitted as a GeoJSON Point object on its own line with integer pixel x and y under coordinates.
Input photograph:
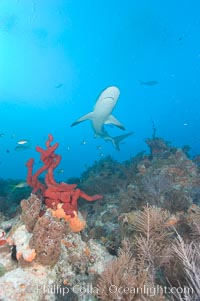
{"type": "Point", "coordinates": [116, 140]}
{"type": "Point", "coordinates": [83, 118]}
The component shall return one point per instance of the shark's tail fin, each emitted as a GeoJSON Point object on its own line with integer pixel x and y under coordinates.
{"type": "Point", "coordinates": [116, 140]}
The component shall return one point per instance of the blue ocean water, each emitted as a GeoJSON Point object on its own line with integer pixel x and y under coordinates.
{"type": "Point", "coordinates": [57, 56]}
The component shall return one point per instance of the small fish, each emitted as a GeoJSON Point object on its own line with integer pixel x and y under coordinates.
{"type": "Point", "coordinates": [84, 142]}
{"type": "Point", "coordinates": [22, 142]}
{"type": "Point", "coordinates": [68, 148]}
{"type": "Point", "coordinates": [7, 151]}
{"type": "Point", "coordinates": [181, 37]}
{"type": "Point", "coordinates": [99, 147]}
{"type": "Point", "coordinates": [19, 185]}
{"type": "Point", "coordinates": [60, 170]}
{"type": "Point", "coordinates": [148, 83]}
{"type": "Point", "coordinates": [58, 86]}
{"type": "Point", "coordinates": [1, 135]}
{"type": "Point", "coordinates": [22, 147]}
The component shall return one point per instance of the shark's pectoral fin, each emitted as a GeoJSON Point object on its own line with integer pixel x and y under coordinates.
{"type": "Point", "coordinates": [112, 120]}
{"type": "Point", "coordinates": [83, 118]}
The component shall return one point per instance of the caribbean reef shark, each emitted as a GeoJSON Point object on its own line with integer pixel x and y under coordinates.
{"type": "Point", "coordinates": [101, 115]}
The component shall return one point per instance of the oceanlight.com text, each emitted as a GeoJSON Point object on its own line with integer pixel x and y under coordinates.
{"type": "Point", "coordinates": [89, 289]}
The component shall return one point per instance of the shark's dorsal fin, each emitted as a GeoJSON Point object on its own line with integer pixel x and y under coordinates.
{"type": "Point", "coordinates": [83, 118]}
{"type": "Point", "coordinates": [112, 120]}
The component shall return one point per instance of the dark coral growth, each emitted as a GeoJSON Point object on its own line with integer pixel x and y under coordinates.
{"type": "Point", "coordinates": [158, 146]}
{"type": "Point", "coordinates": [10, 196]}
{"type": "Point", "coordinates": [195, 195]}
{"type": "Point", "coordinates": [176, 200]}
{"type": "Point", "coordinates": [105, 176]}
{"type": "Point", "coordinates": [155, 184]}
{"type": "Point", "coordinates": [46, 238]}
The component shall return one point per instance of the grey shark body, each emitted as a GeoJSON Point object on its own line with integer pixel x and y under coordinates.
{"type": "Point", "coordinates": [102, 114]}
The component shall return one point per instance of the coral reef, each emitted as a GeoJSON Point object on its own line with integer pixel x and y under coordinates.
{"type": "Point", "coordinates": [142, 240]}
{"type": "Point", "coordinates": [161, 190]}
{"type": "Point", "coordinates": [76, 264]}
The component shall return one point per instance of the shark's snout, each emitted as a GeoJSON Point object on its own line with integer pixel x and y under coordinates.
{"type": "Point", "coordinates": [111, 92]}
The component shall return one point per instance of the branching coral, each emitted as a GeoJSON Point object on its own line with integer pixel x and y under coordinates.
{"type": "Point", "coordinates": [155, 247]}
{"type": "Point", "coordinates": [119, 276]}
{"type": "Point", "coordinates": [123, 280]}
{"type": "Point", "coordinates": [189, 257]}
{"type": "Point", "coordinates": [153, 239]}
{"type": "Point", "coordinates": [150, 231]}
{"type": "Point", "coordinates": [188, 253]}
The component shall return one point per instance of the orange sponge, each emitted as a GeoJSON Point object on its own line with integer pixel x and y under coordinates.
{"type": "Point", "coordinates": [76, 224]}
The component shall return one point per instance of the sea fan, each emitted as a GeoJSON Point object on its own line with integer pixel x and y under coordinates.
{"type": "Point", "coordinates": [153, 239]}
{"type": "Point", "coordinates": [119, 275]}
{"type": "Point", "coordinates": [189, 257]}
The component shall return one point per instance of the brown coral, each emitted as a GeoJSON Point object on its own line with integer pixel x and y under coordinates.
{"type": "Point", "coordinates": [30, 211]}
{"type": "Point", "coordinates": [46, 239]}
